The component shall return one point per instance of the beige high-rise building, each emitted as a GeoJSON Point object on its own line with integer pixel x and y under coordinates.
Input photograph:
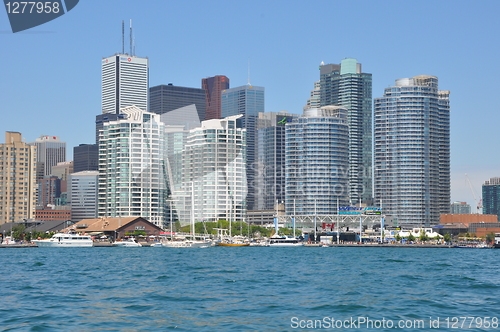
{"type": "Point", "coordinates": [17, 179]}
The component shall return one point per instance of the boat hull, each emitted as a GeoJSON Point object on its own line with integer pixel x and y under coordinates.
{"type": "Point", "coordinates": [286, 245]}
{"type": "Point", "coordinates": [128, 245]}
{"type": "Point", "coordinates": [186, 244]}
{"type": "Point", "coordinates": [63, 240]}
{"type": "Point", "coordinates": [48, 243]}
{"type": "Point", "coordinates": [222, 244]}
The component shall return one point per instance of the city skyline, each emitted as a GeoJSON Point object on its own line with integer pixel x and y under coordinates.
{"type": "Point", "coordinates": [277, 54]}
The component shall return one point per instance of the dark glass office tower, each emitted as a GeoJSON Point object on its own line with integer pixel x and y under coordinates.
{"type": "Point", "coordinates": [213, 87]}
{"type": "Point", "coordinates": [270, 149]}
{"type": "Point", "coordinates": [85, 158]}
{"type": "Point", "coordinates": [166, 98]}
{"type": "Point", "coordinates": [346, 85]}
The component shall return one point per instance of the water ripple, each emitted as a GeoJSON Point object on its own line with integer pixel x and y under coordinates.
{"type": "Point", "coordinates": [239, 289]}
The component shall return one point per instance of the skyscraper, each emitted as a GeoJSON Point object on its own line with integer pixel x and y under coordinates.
{"type": "Point", "coordinates": [18, 174]}
{"type": "Point", "coordinates": [248, 101]}
{"type": "Point", "coordinates": [214, 172]}
{"type": "Point", "coordinates": [315, 100]}
{"type": "Point", "coordinates": [412, 151]}
{"type": "Point", "coordinates": [86, 157]}
{"type": "Point", "coordinates": [213, 87]}
{"type": "Point", "coordinates": [131, 167]}
{"type": "Point", "coordinates": [316, 161]}
{"type": "Point", "coordinates": [125, 82]}
{"type": "Point", "coordinates": [50, 151]}
{"type": "Point", "coordinates": [166, 98]}
{"type": "Point", "coordinates": [270, 177]}
{"type": "Point", "coordinates": [491, 197]}
{"type": "Point", "coordinates": [346, 85]}
{"type": "Point", "coordinates": [83, 195]}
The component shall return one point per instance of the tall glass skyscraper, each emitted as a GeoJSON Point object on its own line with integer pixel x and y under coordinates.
{"type": "Point", "coordinates": [131, 167]}
{"type": "Point", "coordinates": [412, 151]}
{"type": "Point", "coordinates": [248, 101]}
{"type": "Point", "coordinates": [317, 161]}
{"type": "Point", "coordinates": [213, 87]}
{"type": "Point", "coordinates": [270, 173]}
{"type": "Point", "coordinates": [125, 82]}
{"type": "Point", "coordinates": [346, 85]}
{"type": "Point", "coordinates": [166, 98]}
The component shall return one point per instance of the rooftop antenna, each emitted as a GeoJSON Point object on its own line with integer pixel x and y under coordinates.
{"type": "Point", "coordinates": [131, 37]}
{"type": "Point", "coordinates": [123, 37]}
{"type": "Point", "coordinates": [248, 82]}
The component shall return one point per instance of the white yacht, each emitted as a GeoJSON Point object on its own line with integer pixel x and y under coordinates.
{"type": "Point", "coordinates": [129, 242]}
{"type": "Point", "coordinates": [187, 243]}
{"type": "Point", "coordinates": [281, 241]}
{"type": "Point", "coordinates": [9, 241]}
{"type": "Point", "coordinates": [65, 240]}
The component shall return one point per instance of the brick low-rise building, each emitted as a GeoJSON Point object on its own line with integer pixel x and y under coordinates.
{"type": "Point", "coordinates": [116, 227]}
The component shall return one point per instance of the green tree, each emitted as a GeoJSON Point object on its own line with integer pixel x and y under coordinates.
{"type": "Point", "coordinates": [398, 237]}
{"type": "Point", "coordinates": [423, 236]}
{"type": "Point", "coordinates": [410, 237]}
{"type": "Point", "coordinates": [490, 238]}
{"type": "Point", "coordinates": [447, 237]}
{"type": "Point", "coordinates": [18, 232]}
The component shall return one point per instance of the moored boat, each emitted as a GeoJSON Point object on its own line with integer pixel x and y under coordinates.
{"type": "Point", "coordinates": [187, 243]}
{"type": "Point", "coordinates": [229, 244]}
{"type": "Point", "coordinates": [65, 240]}
{"type": "Point", "coordinates": [281, 241]}
{"type": "Point", "coordinates": [129, 242]}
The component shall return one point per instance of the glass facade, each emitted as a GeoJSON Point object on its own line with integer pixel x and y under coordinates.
{"type": "Point", "coordinates": [412, 151]}
{"type": "Point", "coordinates": [166, 98]}
{"type": "Point", "coordinates": [346, 85]}
{"type": "Point", "coordinates": [131, 167]}
{"type": "Point", "coordinates": [460, 208]}
{"type": "Point", "coordinates": [317, 160]}
{"type": "Point", "coordinates": [213, 87]}
{"type": "Point", "coordinates": [85, 157]}
{"type": "Point", "coordinates": [214, 179]}
{"type": "Point", "coordinates": [248, 101]}
{"type": "Point", "coordinates": [270, 173]}
{"type": "Point", "coordinates": [491, 197]}
{"type": "Point", "coordinates": [83, 195]}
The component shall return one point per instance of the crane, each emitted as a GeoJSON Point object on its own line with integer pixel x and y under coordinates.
{"type": "Point", "coordinates": [479, 204]}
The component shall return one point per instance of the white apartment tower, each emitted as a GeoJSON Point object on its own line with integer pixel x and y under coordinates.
{"type": "Point", "coordinates": [214, 178]}
{"type": "Point", "coordinates": [131, 167]}
{"type": "Point", "coordinates": [125, 82]}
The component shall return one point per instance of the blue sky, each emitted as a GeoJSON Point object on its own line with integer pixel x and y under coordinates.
{"type": "Point", "coordinates": [50, 75]}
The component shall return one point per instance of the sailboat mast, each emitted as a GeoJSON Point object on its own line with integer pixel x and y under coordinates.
{"type": "Point", "coordinates": [192, 209]}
